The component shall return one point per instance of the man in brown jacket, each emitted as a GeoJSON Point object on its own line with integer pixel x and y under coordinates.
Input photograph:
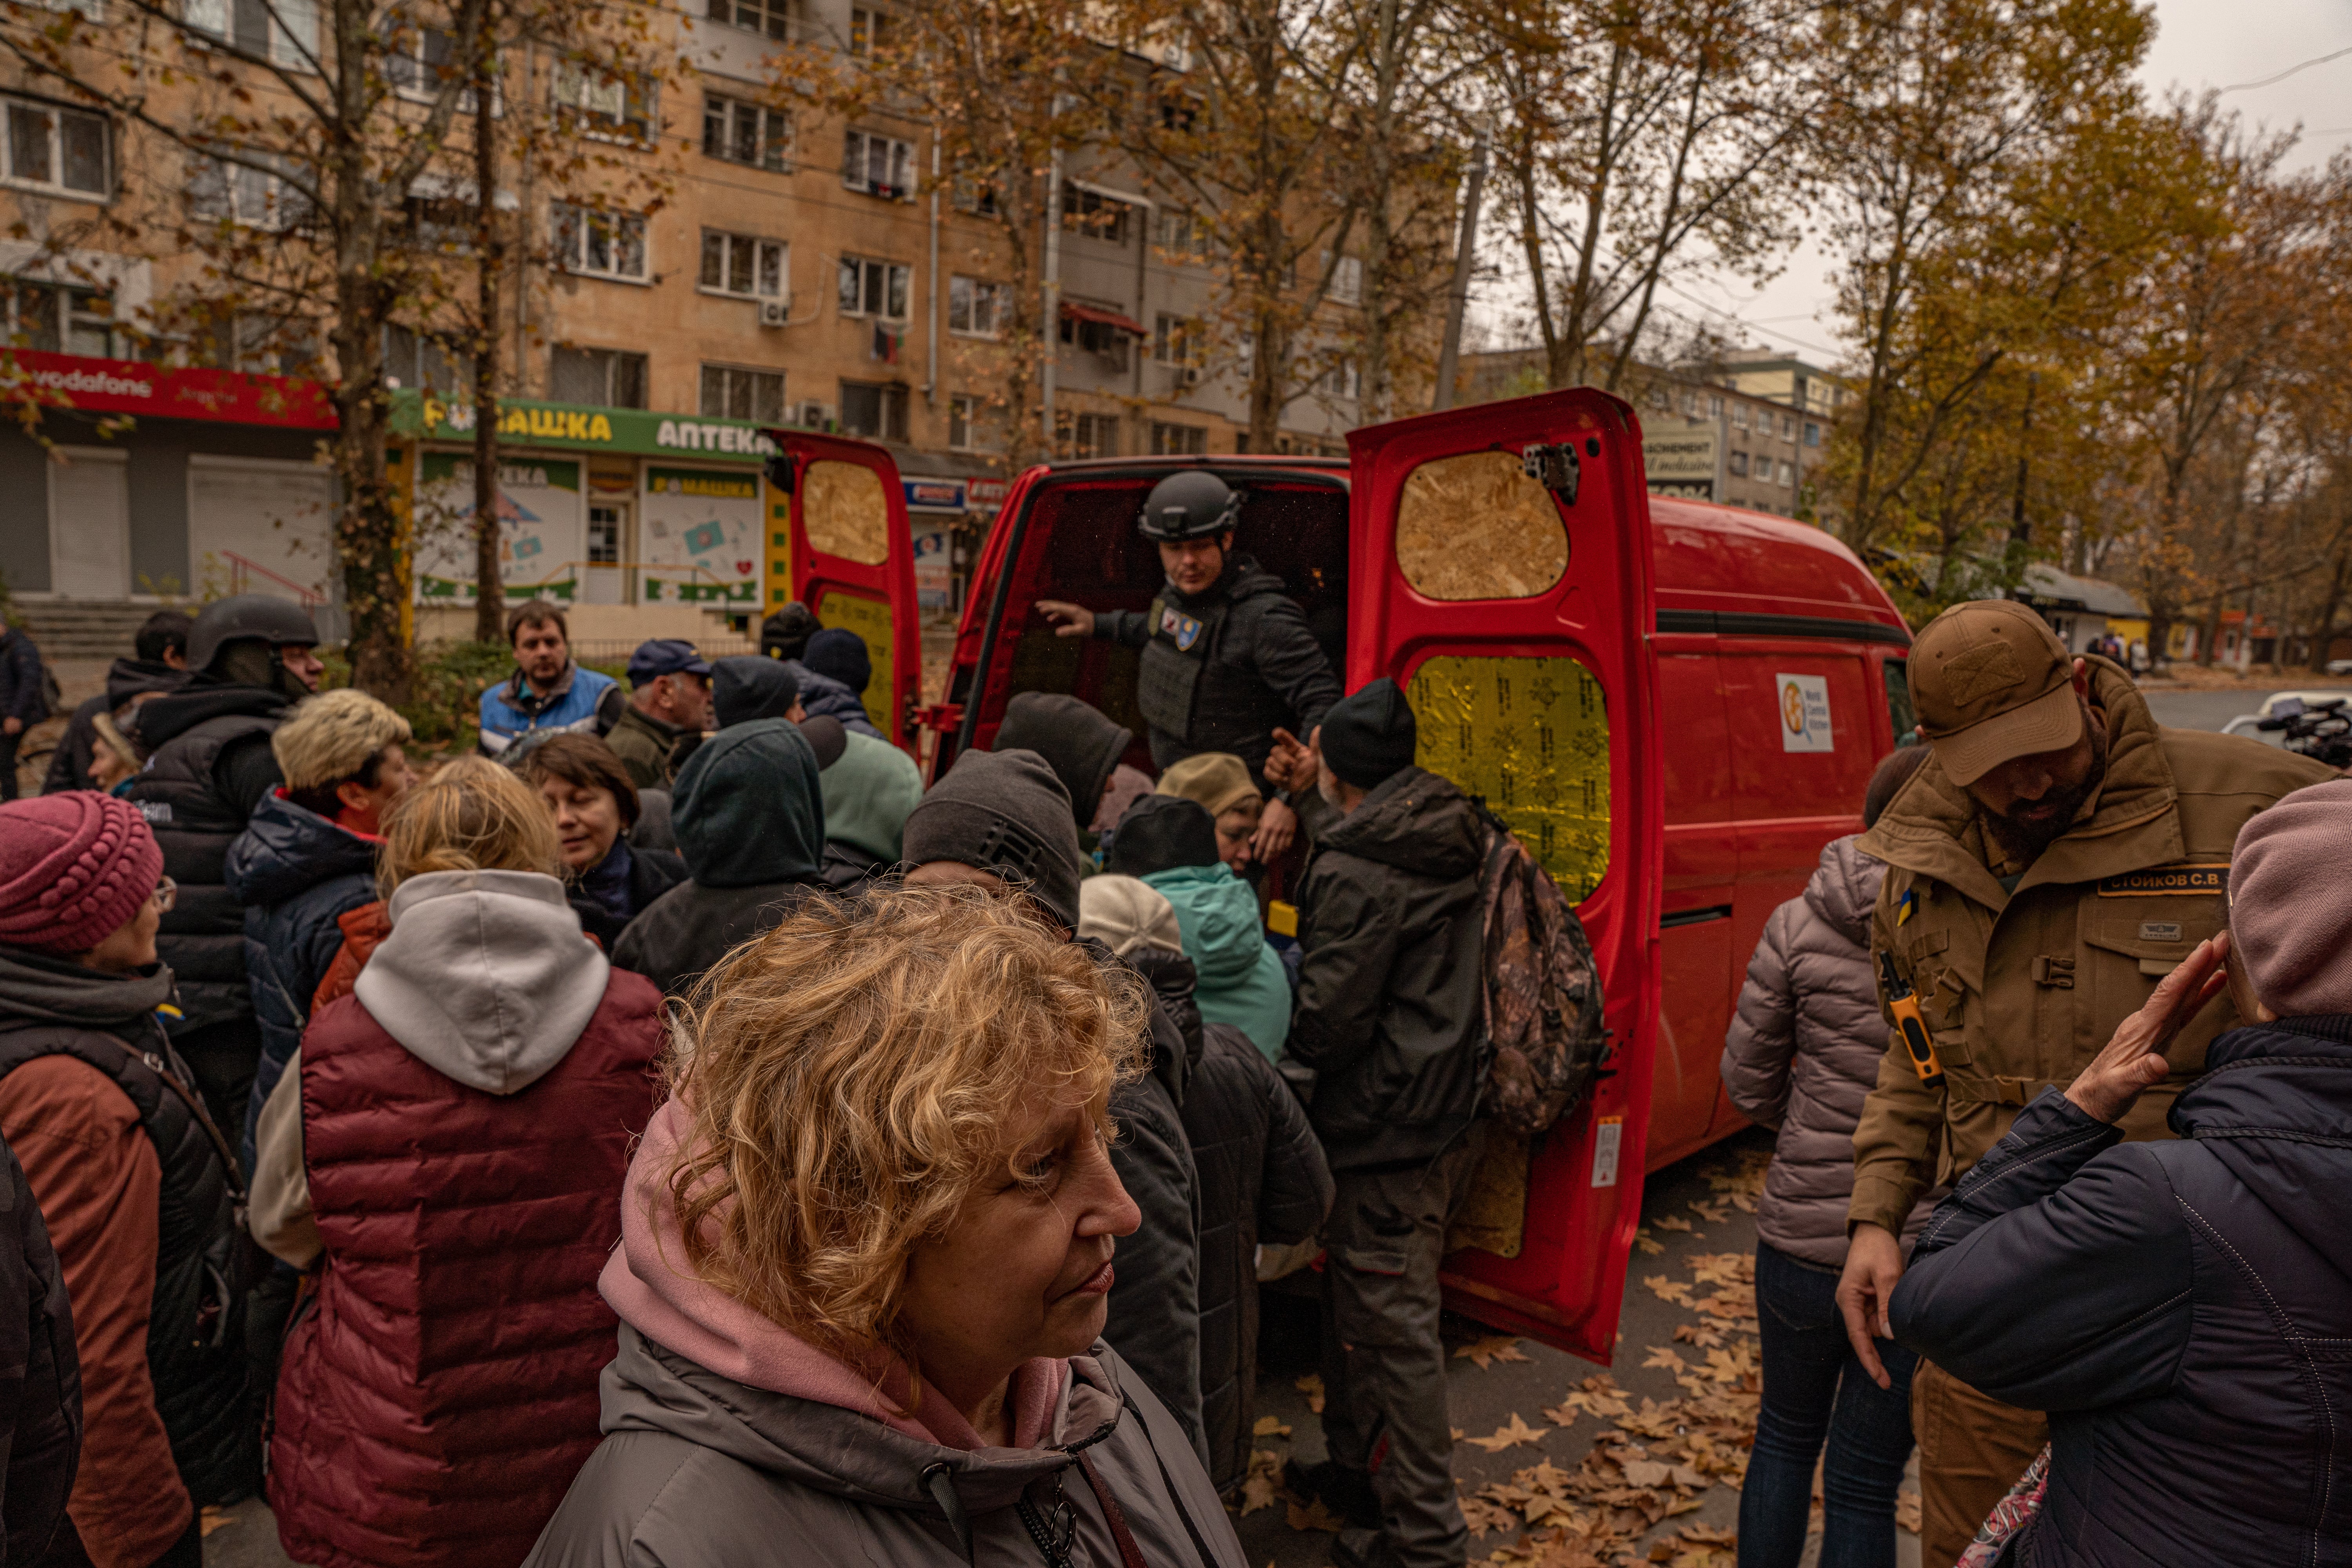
{"type": "Point", "coordinates": [2055, 857]}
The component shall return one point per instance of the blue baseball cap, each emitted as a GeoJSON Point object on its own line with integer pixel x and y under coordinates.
{"type": "Point", "coordinates": [665, 656]}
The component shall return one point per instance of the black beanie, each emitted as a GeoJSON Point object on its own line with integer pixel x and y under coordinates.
{"type": "Point", "coordinates": [1159, 832]}
{"type": "Point", "coordinates": [745, 688]}
{"type": "Point", "coordinates": [1006, 813]}
{"type": "Point", "coordinates": [785, 633]}
{"type": "Point", "coordinates": [841, 653]}
{"type": "Point", "coordinates": [1078, 742]}
{"type": "Point", "coordinates": [1368, 737]}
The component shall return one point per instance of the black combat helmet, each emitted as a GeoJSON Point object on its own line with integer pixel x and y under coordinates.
{"type": "Point", "coordinates": [1194, 504]}
{"type": "Point", "coordinates": [259, 617]}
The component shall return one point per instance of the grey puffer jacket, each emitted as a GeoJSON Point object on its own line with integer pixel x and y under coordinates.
{"type": "Point", "coordinates": [1804, 1052]}
{"type": "Point", "coordinates": [697, 1470]}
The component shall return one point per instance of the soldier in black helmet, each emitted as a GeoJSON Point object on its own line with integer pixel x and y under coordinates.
{"type": "Point", "coordinates": [1228, 660]}
{"type": "Point", "coordinates": [254, 657]}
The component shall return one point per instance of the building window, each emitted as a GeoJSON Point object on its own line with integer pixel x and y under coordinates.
{"type": "Point", "coordinates": [1714, 407]}
{"type": "Point", "coordinates": [1813, 433]}
{"type": "Point", "coordinates": [413, 360]}
{"type": "Point", "coordinates": [57, 319]}
{"type": "Point", "coordinates": [417, 60]}
{"type": "Point", "coordinates": [977, 310]}
{"type": "Point", "coordinates": [1345, 380]}
{"type": "Point", "coordinates": [1739, 466]}
{"type": "Point", "coordinates": [870, 30]}
{"type": "Point", "coordinates": [1183, 235]}
{"type": "Point", "coordinates": [963, 423]}
{"type": "Point", "coordinates": [1739, 416]}
{"type": "Point", "coordinates": [874, 289]}
{"type": "Point", "coordinates": [739, 265]}
{"type": "Point", "coordinates": [604, 104]}
{"type": "Point", "coordinates": [603, 536]}
{"type": "Point", "coordinates": [1347, 280]}
{"type": "Point", "coordinates": [744, 132]}
{"type": "Point", "coordinates": [244, 194]}
{"type": "Point", "coordinates": [879, 166]}
{"type": "Point", "coordinates": [286, 31]}
{"type": "Point", "coordinates": [1179, 441]}
{"type": "Point", "coordinates": [53, 149]}
{"type": "Point", "coordinates": [1660, 397]}
{"type": "Point", "coordinates": [772, 17]}
{"type": "Point", "coordinates": [1176, 340]}
{"type": "Point", "coordinates": [1089, 212]}
{"type": "Point", "coordinates": [1089, 436]}
{"type": "Point", "coordinates": [879, 412]}
{"type": "Point", "coordinates": [975, 196]}
{"type": "Point", "coordinates": [732, 392]}
{"type": "Point", "coordinates": [263, 345]}
{"type": "Point", "coordinates": [603, 378]}
{"type": "Point", "coordinates": [599, 244]}
{"type": "Point", "coordinates": [1787, 427]}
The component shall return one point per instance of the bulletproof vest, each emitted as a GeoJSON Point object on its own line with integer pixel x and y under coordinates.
{"type": "Point", "coordinates": [1190, 688]}
{"type": "Point", "coordinates": [203, 938]}
{"type": "Point", "coordinates": [195, 1334]}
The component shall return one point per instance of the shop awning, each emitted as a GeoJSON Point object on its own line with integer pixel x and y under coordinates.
{"type": "Point", "coordinates": [1102, 318]}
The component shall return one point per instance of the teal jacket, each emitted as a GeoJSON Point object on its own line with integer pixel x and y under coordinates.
{"type": "Point", "coordinates": [1241, 979]}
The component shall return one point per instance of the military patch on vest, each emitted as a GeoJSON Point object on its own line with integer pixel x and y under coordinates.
{"type": "Point", "coordinates": [2211, 877]}
{"type": "Point", "coordinates": [1906, 906]}
{"type": "Point", "coordinates": [1185, 629]}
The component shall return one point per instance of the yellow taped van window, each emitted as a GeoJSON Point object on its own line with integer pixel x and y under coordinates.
{"type": "Point", "coordinates": [870, 619]}
{"type": "Point", "coordinates": [843, 509]}
{"type": "Point", "coordinates": [1474, 526]}
{"type": "Point", "coordinates": [1532, 736]}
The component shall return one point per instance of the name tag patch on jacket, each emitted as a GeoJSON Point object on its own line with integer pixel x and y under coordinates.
{"type": "Point", "coordinates": [2159, 880]}
{"type": "Point", "coordinates": [1185, 629]}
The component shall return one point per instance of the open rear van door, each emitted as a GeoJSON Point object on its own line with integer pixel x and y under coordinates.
{"type": "Point", "coordinates": [1500, 570]}
{"type": "Point", "coordinates": [850, 558]}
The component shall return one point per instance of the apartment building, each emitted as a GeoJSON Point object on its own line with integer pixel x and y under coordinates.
{"type": "Point", "coordinates": [785, 271]}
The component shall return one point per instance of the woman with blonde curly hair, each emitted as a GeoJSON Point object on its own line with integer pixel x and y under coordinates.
{"type": "Point", "coordinates": [445, 1155]}
{"type": "Point", "coordinates": [865, 1254]}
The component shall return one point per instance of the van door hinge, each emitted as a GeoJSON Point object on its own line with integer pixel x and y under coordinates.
{"type": "Point", "coordinates": [1554, 467]}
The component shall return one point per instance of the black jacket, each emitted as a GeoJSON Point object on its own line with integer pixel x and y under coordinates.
{"type": "Point", "coordinates": [1263, 668]}
{"type": "Point", "coordinates": [652, 873]}
{"type": "Point", "coordinates": [1391, 1014]}
{"type": "Point", "coordinates": [2183, 1311]}
{"type": "Point", "coordinates": [1261, 1178]}
{"type": "Point", "coordinates": [125, 679]}
{"type": "Point", "coordinates": [22, 694]}
{"type": "Point", "coordinates": [297, 874]}
{"type": "Point", "coordinates": [40, 1376]}
{"type": "Point", "coordinates": [691, 927]}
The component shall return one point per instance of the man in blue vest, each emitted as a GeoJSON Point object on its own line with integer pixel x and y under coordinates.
{"type": "Point", "coordinates": [547, 691]}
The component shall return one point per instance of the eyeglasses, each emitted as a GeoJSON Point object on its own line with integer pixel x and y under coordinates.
{"type": "Point", "coordinates": [167, 893]}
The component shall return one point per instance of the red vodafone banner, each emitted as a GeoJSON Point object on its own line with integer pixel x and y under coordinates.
{"type": "Point", "coordinates": [129, 387]}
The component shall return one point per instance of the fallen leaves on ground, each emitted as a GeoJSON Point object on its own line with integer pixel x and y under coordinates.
{"type": "Point", "coordinates": [1509, 1437]}
{"type": "Point", "coordinates": [215, 1519]}
{"type": "Point", "coordinates": [1269, 1426]}
{"type": "Point", "coordinates": [1264, 1483]}
{"type": "Point", "coordinates": [1668, 1289]}
{"type": "Point", "coordinates": [1311, 1385]}
{"type": "Point", "coordinates": [1486, 1352]}
{"type": "Point", "coordinates": [1671, 1222]}
{"type": "Point", "coordinates": [1907, 1512]}
{"type": "Point", "coordinates": [1717, 1213]}
{"type": "Point", "coordinates": [1648, 1246]}
{"type": "Point", "coordinates": [1314, 1516]}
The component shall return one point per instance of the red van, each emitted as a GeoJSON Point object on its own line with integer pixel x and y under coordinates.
{"type": "Point", "coordinates": [1674, 704]}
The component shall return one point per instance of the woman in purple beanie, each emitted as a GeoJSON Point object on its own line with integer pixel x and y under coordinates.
{"type": "Point", "coordinates": [133, 1182]}
{"type": "Point", "coordinates": [2182, 1309]}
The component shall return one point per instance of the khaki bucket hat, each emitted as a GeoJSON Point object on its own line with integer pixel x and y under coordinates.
{"type": "Point", "coordinates": [1992, 681]}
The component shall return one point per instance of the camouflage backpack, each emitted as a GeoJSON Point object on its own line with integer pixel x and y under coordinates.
{"type": "Point", "coordinates": [1543, 991]}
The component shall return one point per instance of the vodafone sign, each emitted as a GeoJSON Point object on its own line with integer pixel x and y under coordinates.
{"type": "Point", "coordinates": [128, 386]}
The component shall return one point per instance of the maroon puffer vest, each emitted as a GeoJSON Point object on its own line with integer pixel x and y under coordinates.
{"type": "Point", "coordinates": [433, 1407]}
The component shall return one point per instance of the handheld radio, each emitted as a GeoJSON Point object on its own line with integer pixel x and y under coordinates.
{"type": "Point", "coordinates": [1909, 1023]}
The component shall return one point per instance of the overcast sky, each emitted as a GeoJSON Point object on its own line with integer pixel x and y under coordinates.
{"type": "Point", "coordinates": [2230, 44]}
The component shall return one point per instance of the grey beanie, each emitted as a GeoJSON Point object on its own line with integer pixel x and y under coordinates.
{"type": "Point", "coordinates": [1369, 735]}
{"type": "Point", "coordinates": [1006, 813]}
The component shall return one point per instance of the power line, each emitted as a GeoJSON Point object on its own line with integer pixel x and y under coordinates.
{"type": "Point", "coordinates": [2273, 80]}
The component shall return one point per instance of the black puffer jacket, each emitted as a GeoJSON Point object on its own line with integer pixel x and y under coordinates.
{"type": "Point", "coordinates": [40, 1376]}
{"type": "Point", "coordinates": [1391, 1006]}
{"type": "Point", "coordinates": [296, 873]}
{"type": "Point", "coordinates": [2182, 1309]}
{"type": "Point", "coordinates": [1262, 1178]}
{"type": "Point", "coordinates": [1263, 668]}
{"type": "Point", "coordinates": [125, 679]}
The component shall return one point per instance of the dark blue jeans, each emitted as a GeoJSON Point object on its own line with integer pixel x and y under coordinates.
{"type": "Point", "coordinates": [1815, 1388]}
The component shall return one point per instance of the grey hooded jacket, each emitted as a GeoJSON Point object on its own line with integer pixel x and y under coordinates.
{"type": "Point", "coordinates": [699, 1471]}
{"type": "Point", "coordinates": [1804, 1052]}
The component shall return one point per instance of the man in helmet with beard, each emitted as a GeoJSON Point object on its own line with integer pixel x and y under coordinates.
{"type": "Point", "coordinates": [1228, 659]}
{"type": "Point", "coordinates": [255, 656]}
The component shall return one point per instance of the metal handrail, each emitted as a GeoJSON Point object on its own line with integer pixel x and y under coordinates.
{"type": "Point", "coordinates": [240, 568]}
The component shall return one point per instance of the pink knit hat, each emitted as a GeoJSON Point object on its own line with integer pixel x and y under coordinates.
{"type": "Point", "coordinates": [2291, 901]}
{"type": "Point", "coordinates": [73, 866]}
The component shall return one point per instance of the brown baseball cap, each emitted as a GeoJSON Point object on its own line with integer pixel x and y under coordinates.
{"type": "Point", "coordinates": [1991, 682]}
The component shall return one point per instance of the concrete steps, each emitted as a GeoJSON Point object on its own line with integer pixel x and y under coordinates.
{"type": "Point", "coordinates": [81, 628]}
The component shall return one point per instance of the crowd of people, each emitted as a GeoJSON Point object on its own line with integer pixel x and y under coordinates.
{"type": "Point", "coordinates": [674, 1131]}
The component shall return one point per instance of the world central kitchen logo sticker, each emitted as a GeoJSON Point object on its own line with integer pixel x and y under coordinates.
{"type": "Point", "coordinates": [1804, 712]}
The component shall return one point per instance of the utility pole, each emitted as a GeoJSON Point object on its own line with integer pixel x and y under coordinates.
{"type": "Point", "coordinates": [489, 594]}
{"type": "Point", "coordinates": [1449, 352]}
{"type": "Point", "coordinates": [1052, 327]}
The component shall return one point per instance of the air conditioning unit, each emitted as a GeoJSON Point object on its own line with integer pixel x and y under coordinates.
{"type": "Point", "coordinates": [816, 416]}
{"type": "Point", "coordinates": [1189, 376]}
{"type": "Point", "coordinates": [775, 312]}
